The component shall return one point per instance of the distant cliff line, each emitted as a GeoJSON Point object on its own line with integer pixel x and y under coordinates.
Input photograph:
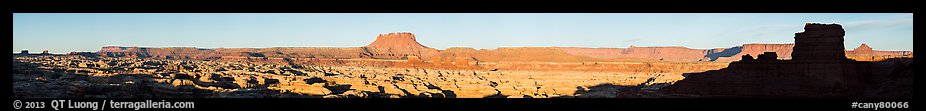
{"type": "Point", "coordinates": [404, 45]}
{"type": "Point", "coordinates": [562, 54]}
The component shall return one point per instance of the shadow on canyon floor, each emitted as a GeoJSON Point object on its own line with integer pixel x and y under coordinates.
{"type": "Point", "coordinates": [890, 78]}
{"type": "Point", "coordinates": [725, 53]}
{"type": "Point", "coordinates": [647, 89]}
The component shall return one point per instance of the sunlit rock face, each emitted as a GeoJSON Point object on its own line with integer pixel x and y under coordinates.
{"type": "Point", "coordinates": [398, 45]}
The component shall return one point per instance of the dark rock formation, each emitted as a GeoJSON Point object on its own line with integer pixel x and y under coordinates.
{"type": "Point", "coordinates": [819, 68]}
{"type": "Point", "coordinates": [767, 56]}
{"type": "Point", "coordinates": [820, 43]}
{"type": "Point", "coordinates": [748, 57]}
{"type": "Point", "coordinates": [24, 52]}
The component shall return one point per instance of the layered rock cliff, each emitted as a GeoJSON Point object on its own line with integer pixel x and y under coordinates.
{"type": "Point", "coordinates": [633, 52]}
{"type": "Point", "coordinates": [404, 45]}
{"type": "Point", "coordinates": [783, 51]}
{"type": "Point", "coordinates": [398, 45]}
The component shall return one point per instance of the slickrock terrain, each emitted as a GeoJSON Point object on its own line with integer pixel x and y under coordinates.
{"type": "Point", "coordinates": [819, 68]}
{"type": "Point", "coordinates": [393, 66]}
{"type": "Point", "coordinates": [106, 77]}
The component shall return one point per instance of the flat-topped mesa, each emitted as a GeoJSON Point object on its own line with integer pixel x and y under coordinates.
{"type": "Point", "coordinates": [398, 45]}
{"type": "Point", "coordinates": [820, 43]}
{"type": "Point", "coordinates": [113, 48]}
{"type": "Point", "coordinates": [396, 40]}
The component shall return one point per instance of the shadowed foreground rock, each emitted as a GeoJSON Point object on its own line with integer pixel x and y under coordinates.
{"type": "Point", "coordinates": [819, 68]}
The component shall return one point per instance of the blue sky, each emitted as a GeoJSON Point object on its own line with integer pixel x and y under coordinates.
{"type": "Point", "coordinates": [62, 33]}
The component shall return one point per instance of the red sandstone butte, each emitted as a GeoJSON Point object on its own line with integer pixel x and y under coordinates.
{"type": "Point", "coordinates": [397, 46]}
{"type": "Point", "coordinates": [866, 53]}
{"type": "Point", "coordinates": [396, 40]}
{"type": "Point", "coordinates": [863, 49]}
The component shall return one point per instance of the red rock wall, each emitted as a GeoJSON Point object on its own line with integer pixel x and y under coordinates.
{"type": "Point", "coordinates": [403, 44]}
{"type": "Point", "coordinates": [783, 50]}
{"type": "Point", "coordinates": [654, 53]}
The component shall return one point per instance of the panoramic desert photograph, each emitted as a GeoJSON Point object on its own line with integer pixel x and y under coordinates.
{"type": "Point", "coordinates": [462, 55]}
